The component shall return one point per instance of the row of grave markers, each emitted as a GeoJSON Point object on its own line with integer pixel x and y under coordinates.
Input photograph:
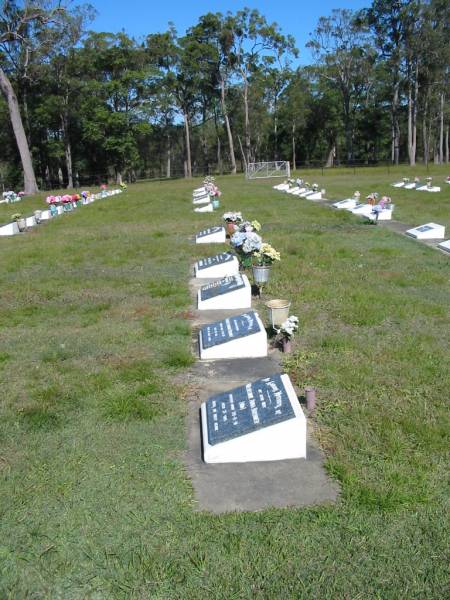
{"type": "Point", "coordinates": [46, 215]}
{"type": "Point", "coordinates": [427, 231]}
{"type": "Point", "coordinates": [262, 420]}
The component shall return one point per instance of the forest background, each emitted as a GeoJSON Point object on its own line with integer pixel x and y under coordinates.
{"type": "Point", "coordinates": [80, 107]}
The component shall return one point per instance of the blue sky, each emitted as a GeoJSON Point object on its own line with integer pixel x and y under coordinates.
{"type": "Point", "coordinates": [141, 17]}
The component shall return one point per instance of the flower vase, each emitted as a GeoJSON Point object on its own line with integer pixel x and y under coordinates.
{"type": "Point", "coordinates": [21, 224]}
{"type": "Point", "coordinates": [261, 274]}
{"type": "Point", "coordinates": [215, 203]}
{"type": "Point", "coordinates": [38, 216]}
{"type": "Point", "coordinates": [287, 345]}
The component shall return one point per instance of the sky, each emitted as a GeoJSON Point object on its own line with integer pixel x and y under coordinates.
{"type": "Point", "coordinates": [141, 17]}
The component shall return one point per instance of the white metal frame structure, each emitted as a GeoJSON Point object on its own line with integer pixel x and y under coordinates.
{"type": "Point", "coordinates": [265, 170]}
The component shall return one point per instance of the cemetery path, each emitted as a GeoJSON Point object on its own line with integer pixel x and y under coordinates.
{"type": "Point", "coordinates": [254, 486]}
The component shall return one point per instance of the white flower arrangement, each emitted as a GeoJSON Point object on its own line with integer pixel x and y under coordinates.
{"type": "Point", "coordinates": [406, 179]}
{"type": "Point", "coordinates": [232, 217]}
{"type": "Point", "coordinates": [357, 195]}
{"type": "Point", "coordinates": [289, 327]}
{"type": "Point", "coordinates": [315, 187]}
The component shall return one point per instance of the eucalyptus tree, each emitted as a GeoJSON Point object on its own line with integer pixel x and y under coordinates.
{"type": "Point", "coordinates": [215, 32]}
{"type": "Point", "coordinates": [255, 43]}
{"type": "Point", "coordinates": [175, 58]}
{"type": "Point", "coordinates": [344, 57]}
{"type": "Point", "coordinates": [29, 31]}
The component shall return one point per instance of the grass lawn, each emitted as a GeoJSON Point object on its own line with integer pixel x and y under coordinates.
{"type": "Point", "coordinates": [94, 346]}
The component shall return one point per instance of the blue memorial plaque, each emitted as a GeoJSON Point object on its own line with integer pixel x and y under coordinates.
{"type": "Point", "coordinates": [424, 228]}
{"type": "Point", "coordinates": [223, 286]}
{"type": "Point", "coordinates": [208, 231]}
{"type": "Point", "coordinates": [248, 408]}
{"type": "Point", "coordinates": [229, 329]}
{"type": "Point", "coordinates": [212, 261]}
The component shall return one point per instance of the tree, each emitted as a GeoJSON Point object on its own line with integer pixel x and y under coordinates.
{"type": "Point", "coordinates": [29, 30]}
{"type": "Point", "coordinates": [344, 58]}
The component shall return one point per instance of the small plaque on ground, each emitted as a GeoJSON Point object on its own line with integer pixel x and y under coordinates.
{"type": "Point", "coordinates": [247, 408]}
{"type": "Point", "coordinates": [240, 336]}
{"type": "Point", "coordinates": [223, 286]}
{"type": "Point", "coordinates": [227, 293]}
{"type": "Point", "coordinates": [212, 261]}
{"type": "Point", "coordinates": [211, 235]}
{"type": "Point", "coordinates": [259, 421]}
{"type": "Point", "coordinates": [429, 231]}
{"type": "Point", "coordinates": [220, 265]}
{"type": "Point", "coordinates": [229, 329]}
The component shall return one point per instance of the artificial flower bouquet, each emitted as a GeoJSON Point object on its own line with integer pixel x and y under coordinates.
{"type": "Point", "coordinates": [232, 217]}
{"type": "Point", "coordinates": [265, 256]}
{"type": "Point", "coordinates": [246, 243]}
{"type": "Point", "coordinates": [11, 197]}
{"type": "Point", "coordinates": [288, 327]}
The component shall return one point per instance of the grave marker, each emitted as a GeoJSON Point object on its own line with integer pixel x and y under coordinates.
{"type": "Point", "coordinates": [429, 231]}
{"type": "Point", "coordinates": [241, 336]}
{"type": "Point", "coordinates": [227, 293]}
{"type": "Point", "coordinates": [445, 245]}
{"type": "Point", "coordinates": [260, 421]}
{"type": "Point", "coordinates": [220, 265]}
{"type": "Point", "coordinates": [212, 235]}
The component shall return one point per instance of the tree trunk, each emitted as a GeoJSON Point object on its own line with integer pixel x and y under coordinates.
{"type": "Point", "coordinates": [227, 127]}
{"type": "Point", "coordinates": [441, 130]}
{"type": "Point", "coordinates": [425, 131]}
{"type": "Point", "coordinates": [246, 124]}
{"type": "Point", "coordinates": [412, 119]}
{"type": "Point", "coordinates": [331, 155]}
{"type": "Point", "coordinates": [119, 179]}
{"type": "Point", "coordinates": [294, 157]}
{"type": "Point", "coordinates": [30, 185]}
{"type": "Point", "coordinates": [219, 156]}
{"type": "Point", "coordinates": [169, 159]}
{"type": "Point", "coordinates": [188, 147]}
{"type": "Point", "coordinates": [395, 126]}
{"type": "Point", "coordinates": [60, 177]}
{"type": "Point", "coordinates": [447, 157]}
{"type": "Point", "coordinates": [67, 151]}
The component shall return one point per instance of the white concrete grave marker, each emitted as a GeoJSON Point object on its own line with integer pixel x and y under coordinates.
{"type": "Point", "coordinates": [242, 336]}
{"type": "Point", "coordinates": [425, 188]}
{"type": "Point", "coordinates": [9, 229]}
{"type": "Point", "coordinates": [281, 187]}
{"type": "Point", "coordinates": [399, 184]}
{"type": "Point", "coordinates": [220, 265]}
{"type": "Point", "coordinates": [30, 221]}
{"type": "Point", "coordinates": [348, 203]}
{"type": "Point", "coordinates": [260, 421]}
{"type": "Point", "coordinates": [202, 199]}
{"type": "Point", "coordinates": [410, 186]}
{"type": "Point", "coordinates": [227, 293]}
{"type": "Point", "coordinates": [204, 209]}
{"type": "Point", "coordinates": [314, 196]}
{"type": "Point", "coordinates": [429, 231]}
{"type": "Point", "coordinates": [212, 235]}
{"type": "Point", "coordinates": [445, 245]}
{"type": "Point", "coordinates": [363, 210]}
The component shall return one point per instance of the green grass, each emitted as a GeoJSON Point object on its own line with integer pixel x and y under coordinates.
{"type": "Point", "coordinates": [95, 346]}
{"type": "Point", "coordinates": [411, 207]}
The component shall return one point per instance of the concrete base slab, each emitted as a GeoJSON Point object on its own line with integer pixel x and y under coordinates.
{"type": "Point", "coordinates": [204, 209]}
{"type": "Point", "coordinates": [222, 488]}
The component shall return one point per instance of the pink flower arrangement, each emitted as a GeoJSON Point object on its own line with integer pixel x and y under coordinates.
{"type": "Point", "coordinates": [52, 199]}
{"type": "Point", "coordinates": [21, 194]}
{"type": "Point", "coordinates": [103, 186]}
{"type": "Point", "coordinates": [66, 198]}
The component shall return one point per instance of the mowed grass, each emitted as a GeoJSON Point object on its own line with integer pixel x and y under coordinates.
{"type": "Point", "coordinates": [95, 347]}
{"type": "Point", "coordinates": [411, 207]}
